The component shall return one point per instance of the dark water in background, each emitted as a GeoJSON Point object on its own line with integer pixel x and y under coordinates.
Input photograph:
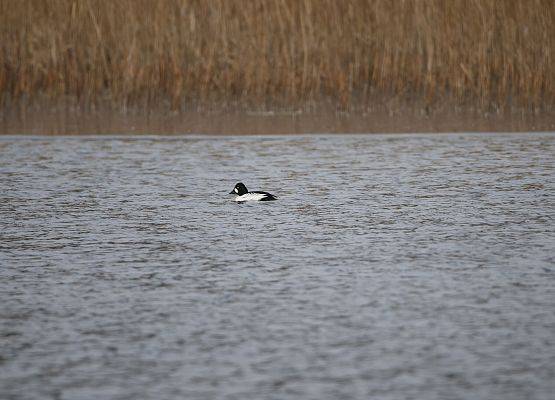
{"type": "Point", "coordinates": [392, 267]}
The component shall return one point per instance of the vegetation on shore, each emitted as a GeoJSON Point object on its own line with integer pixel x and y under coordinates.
{"type": "Point", "coordinates": [486, 55]}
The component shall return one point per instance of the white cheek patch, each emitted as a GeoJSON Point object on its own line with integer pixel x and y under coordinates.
{"type": "Point", "coordinates": [235, 190]}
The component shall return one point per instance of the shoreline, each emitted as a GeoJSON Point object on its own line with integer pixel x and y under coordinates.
{"type": "Point", "coordinates": [56, 122]}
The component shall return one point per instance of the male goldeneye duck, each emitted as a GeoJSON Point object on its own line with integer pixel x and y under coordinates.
{"type": "Point", "coordinates": [244, 195]}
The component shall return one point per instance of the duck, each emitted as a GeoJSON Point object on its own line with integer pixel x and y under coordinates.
{"type": "Point", "coordinates": [243, 194]}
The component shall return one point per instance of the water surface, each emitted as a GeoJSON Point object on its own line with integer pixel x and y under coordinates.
{"type": "Point", "coordinates": [392, 267]}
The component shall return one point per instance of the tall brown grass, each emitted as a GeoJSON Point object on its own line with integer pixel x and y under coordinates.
{"type": "Point", "coordinates": [483, 54]}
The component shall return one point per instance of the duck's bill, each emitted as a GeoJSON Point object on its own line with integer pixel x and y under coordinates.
{"type": "Point", "coordinates": [232, 192]}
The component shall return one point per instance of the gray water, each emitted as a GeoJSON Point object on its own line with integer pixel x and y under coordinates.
{"type": "Point", "coordinates": [391, 267]}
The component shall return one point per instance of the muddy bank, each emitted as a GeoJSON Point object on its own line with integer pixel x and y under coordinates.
{"type": "Point", "coordinates": [57, 122]}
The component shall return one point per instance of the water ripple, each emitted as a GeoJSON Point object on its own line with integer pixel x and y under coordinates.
{"type": "Point", "coordinates": [392, 267]}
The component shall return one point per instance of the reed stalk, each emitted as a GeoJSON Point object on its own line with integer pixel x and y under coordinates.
{"type": "Point", "coordinates": [488, 55]}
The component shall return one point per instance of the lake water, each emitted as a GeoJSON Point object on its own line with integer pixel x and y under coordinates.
{"type": "Point", "coordinates": [391, 267]}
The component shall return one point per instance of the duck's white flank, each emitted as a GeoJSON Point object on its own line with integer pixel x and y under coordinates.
{"type": "Point", "coordinates": [251, 197]}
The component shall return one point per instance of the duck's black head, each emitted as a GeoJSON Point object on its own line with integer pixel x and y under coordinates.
{"type": "Point", "coordinates": [239, 189]}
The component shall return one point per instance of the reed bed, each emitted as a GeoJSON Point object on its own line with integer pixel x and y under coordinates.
{"type": "Point", "coordinates": [266, 54]}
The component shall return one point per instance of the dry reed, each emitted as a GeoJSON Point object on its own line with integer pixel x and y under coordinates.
{"type": "Point", "coordinates": [483, 54]}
